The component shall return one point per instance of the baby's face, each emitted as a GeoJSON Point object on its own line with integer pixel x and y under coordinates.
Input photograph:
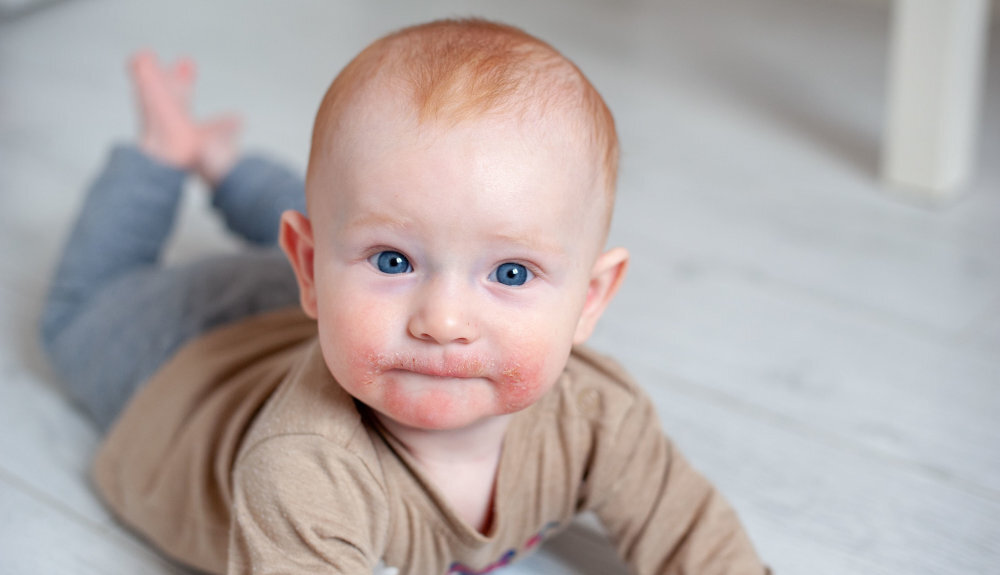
{"type": "Point", "coordinates": [451, 265]}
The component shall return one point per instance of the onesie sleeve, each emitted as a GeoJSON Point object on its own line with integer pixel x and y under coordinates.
{"type": "Point", "coordinates": [304, 505]}
{"type": "Point", "coordinates": [663, 516]}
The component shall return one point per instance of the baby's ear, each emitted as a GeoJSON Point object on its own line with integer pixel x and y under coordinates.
{"type": "Point", "coordinates": [605, 278]}
{"type": "Point", "coordinates": [296, 239]}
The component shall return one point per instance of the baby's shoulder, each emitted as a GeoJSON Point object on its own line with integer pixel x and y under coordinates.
{"type": "Point", "coordinates": [599, 387]}
{"type": "Point", "coordinates": [310, 411]}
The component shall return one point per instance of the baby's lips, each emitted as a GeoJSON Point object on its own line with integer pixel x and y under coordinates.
{"type": "Point", "coordinates": [452, 366]}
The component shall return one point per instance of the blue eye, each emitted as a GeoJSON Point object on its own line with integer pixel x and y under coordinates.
{"type": "Point", "coordinates": [511, 274]}
{"type": "Point", "coordinates": [390, 262]}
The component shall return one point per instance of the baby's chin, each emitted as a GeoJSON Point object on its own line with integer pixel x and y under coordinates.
{"type": "Point", "coordinates": [432, 422]}
{"type": "Point", "coordinates": [438, 410]}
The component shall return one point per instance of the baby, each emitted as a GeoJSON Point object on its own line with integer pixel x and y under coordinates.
{"type": "Point", "coordinates": [426, 405]}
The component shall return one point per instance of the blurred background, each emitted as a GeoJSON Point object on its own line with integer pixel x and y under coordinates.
{"type": "Point", "coordinates": [825, 347]}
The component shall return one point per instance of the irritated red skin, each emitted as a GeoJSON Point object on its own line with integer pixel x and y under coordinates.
{"type": "Point", "coordinates": [440, 394]}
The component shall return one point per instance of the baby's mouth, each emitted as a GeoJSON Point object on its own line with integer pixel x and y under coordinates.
{"type": "Point", "coordinates": [453, 368]}
{"type": "Point", "coordinates": [437, 374]}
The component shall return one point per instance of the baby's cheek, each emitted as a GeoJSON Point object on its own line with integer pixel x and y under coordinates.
{"type": "Point", "coordinates": [362, 329]}
{"type": "Point", "coordinates": [352, 337]}
{"type": "Point", "coordinates": [527, 375]}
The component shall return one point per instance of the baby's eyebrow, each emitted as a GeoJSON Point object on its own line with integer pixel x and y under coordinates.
{"type": "Point", "coordinates": [378, 220]}
{"type": "Point", "coordinates": [531, 242]}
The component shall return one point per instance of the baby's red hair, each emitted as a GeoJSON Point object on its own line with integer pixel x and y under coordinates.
{"type": "Point", "coordinates": [454, 70]}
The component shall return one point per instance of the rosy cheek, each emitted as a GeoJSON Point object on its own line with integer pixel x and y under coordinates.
{"type": "Point", "coordinates": [353, 334]}
{"type": "Point", "coordinates": [526, 376]}
{"type": "Point", "coordinates": [361, 320]}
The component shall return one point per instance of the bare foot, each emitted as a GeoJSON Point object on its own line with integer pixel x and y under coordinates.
{"type": "Point", "coordinates": [168, 132]}
{"type": "Point", "coordinates": [219, 148]}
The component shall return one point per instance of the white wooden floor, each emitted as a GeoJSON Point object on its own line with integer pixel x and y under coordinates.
{"type": "Point", "coordinates": [827, 353]}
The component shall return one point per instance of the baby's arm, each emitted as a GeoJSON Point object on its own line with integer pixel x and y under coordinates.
{"type": "Point", "coordinates": [663, 515]}
{"type": "Point", "coordinates": [302, 504]}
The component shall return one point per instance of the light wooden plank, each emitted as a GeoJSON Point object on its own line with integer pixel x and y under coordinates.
{"type": "Point", "coordinates": [760, 204]}
{"type": "Point", "coordinates": [984, 334]}
{"type": "Point", "coordinates": [814, 504]}
{"type": "Point", "coordinates": [797, 358]}
{"type": "Point", "coordinates": [40, 538]}
{"type": "Point", "coordinates": [47, 443]}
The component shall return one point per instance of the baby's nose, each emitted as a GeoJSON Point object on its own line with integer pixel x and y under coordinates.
{"type": "Point", "coordinates": [443, 315]}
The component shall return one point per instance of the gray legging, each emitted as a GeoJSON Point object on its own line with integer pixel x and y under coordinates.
{"type": "Point", "coordinates": [114, 314]}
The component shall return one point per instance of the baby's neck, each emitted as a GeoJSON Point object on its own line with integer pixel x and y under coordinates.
{"type": "Point", "coordinates": [461, 463]}
{"type": "Point", "coordinates": [481, 440]}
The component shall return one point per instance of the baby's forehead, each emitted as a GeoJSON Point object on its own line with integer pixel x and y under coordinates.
{"type": "Point", "coordinates": [489, 158]}
{"type": "Point", "coordinates": [383, 133]}
{"type": "Point", "coordinates": [383, 116]}
{"type": "Point", "coordinates": [445, 76]}
{"type": "Point", "coordinates": [388, 127]}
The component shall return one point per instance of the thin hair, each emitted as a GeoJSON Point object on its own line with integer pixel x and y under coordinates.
{"type": "Point", "coordinates": [450, 71]}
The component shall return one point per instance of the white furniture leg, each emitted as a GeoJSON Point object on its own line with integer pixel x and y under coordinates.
{"type": "Point", "coordinates": [936, 65]}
